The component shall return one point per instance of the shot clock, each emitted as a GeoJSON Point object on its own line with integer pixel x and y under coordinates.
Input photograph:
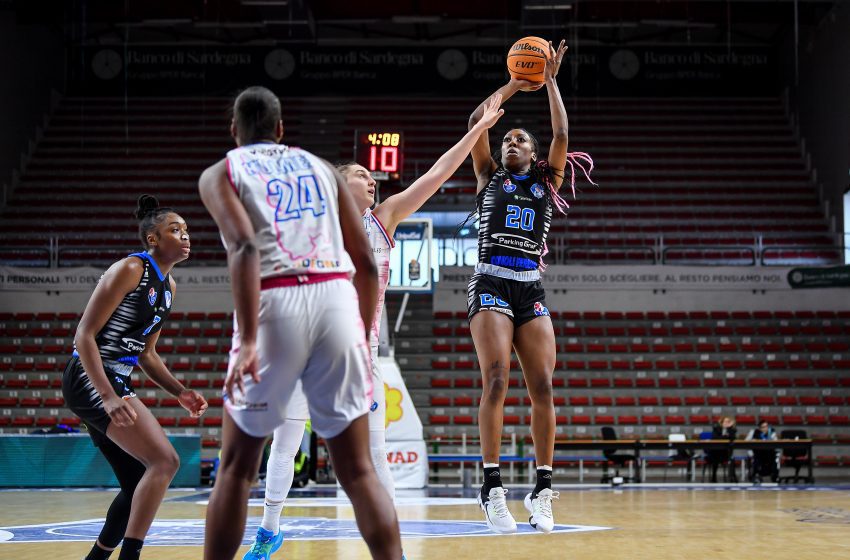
{"type": "Point", "coordinates": [380, 151]}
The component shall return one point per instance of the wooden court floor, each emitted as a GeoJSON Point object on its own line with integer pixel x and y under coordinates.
{"type": "Point", "coordinates": [651, 523]}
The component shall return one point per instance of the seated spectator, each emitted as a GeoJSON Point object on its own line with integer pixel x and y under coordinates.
{"type": "Point", "coordinates": [765, 461]}
{"type": "Point", "coordinates": [724, 429]}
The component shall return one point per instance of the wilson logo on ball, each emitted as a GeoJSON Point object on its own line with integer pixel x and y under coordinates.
{"type": "Point", "coordinates": [528, 47]}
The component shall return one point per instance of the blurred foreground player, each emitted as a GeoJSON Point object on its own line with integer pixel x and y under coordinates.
{"type": "Point", "coordinates": [380, 224]}
{"type": "Point", "coordinates": [292, 231]}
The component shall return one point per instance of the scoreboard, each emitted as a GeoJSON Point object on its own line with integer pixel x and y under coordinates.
{"type": "Point", "coordinates": [380, 151]}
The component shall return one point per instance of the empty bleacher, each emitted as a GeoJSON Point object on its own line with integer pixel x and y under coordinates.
{"type": "Point", "coordinates": [683, 180]}
{"type": "Point", "coordinates": [36, 348]}
{"type": "Point", "coordinates": [647, 373]}
{"type": "Point", "coordinates": [720, 181]}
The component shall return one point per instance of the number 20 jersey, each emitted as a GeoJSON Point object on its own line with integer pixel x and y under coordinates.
{"type": "Point", "coordinates": [515, 213]}
{"type": "Point", "coordinates": [292, 200]}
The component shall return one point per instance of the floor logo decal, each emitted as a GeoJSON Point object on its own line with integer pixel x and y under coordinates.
{"type": "Point", "coordinates": [190, 532]}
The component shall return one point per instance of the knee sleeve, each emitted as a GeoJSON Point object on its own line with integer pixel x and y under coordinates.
{"type": "Point", "coordinates": [129, 471]}
{"type": "Point", "coordinates": [378, 450]}
{"type": "Point", "coordinates": [279, 470]}
{"type": "Point", "coordinates": [116, 521]}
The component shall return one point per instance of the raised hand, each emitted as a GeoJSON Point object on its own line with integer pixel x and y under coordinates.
{"type": "Point", "coordinates": [492, 113]}
{"type": "Point", "coordinates": [525, 85]}
{"type": "Point", "coordinates": [553, 62]}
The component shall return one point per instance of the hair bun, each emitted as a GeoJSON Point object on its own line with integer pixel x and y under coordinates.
{"type": "Point", "coordinates": [147, 205]}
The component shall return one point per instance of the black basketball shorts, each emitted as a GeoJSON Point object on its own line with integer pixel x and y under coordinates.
{"type": "Point", "coordinates": [84, 401]}
{"type": "Point", "coordinates": [521, 301]}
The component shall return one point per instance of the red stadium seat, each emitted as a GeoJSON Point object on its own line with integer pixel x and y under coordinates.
{"type": "Point", "coordinates": [463, 401]}
{"type": "Point", "coordinates": [839, 420]}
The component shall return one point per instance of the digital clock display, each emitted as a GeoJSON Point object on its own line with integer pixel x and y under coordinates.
{"type": "Point", "coordinates": [380, 151]}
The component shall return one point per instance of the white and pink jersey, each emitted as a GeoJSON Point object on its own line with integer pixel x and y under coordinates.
{"type": "Point", "coordinates": [291, 197]}
{"type": "Point", "coordinates": [381, 244]}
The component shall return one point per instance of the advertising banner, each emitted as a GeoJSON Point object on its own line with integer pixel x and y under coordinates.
{"type": "Point", "coordinates": [406, 451]}
{"type": "Point", "coordinates": [299, 69]}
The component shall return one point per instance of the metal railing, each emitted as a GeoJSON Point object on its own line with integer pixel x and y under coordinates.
{"type": "Point", "coordinates": [26, 256]}
{"type": "Point", "coordinates": [464, 252]}
{"type": "Point", "coordinates": [794, 255]}
{"type": "Point", "coordinates": [709, 255]}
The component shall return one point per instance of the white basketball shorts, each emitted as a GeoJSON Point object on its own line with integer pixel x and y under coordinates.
{"type": "Point", "coordinates": [310, 335]}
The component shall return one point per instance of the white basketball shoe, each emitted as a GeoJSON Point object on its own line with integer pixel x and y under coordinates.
{"type": "Point", "coordinates": [495, 506]}
{"type": "Point", "coordinates": [540, 509]}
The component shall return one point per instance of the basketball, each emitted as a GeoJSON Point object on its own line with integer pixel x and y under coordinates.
{"type": "Point", "coordinates": [527, 59]}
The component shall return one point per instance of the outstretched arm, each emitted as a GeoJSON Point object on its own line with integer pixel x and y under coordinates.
{"type": "Point", "coordinates": [482, 161]}
{"type": "Point", "coordinates": [560, 129]}
{"type": "Point", "coordinates": [398, 207]}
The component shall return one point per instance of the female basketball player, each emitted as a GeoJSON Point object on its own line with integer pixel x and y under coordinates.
{"type": "Point", "coordinates": [293, 239]}
{"type": "Point", "coordinates": [380, 224]}
{"type": "Point", "coordinates": [118, 330]}
{"type": "Point", "coordinates": [517, 192]}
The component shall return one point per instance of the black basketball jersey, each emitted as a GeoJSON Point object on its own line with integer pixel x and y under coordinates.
{"type": "Point", "coordinates": [141, 313]}
{"type": "Point", "coordinates": [515, 213]}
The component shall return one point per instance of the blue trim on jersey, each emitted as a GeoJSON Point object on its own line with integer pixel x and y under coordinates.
{"type": "Point", "coordinates": [129, 360]}
{"type": "Point", "coordinates": [147, 257]}
{"type": "Point", "coordinates": [389, 240]}
{"type": "Point", "coordinates": [520, 177]}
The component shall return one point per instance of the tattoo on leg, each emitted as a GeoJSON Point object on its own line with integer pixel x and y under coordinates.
{"type": "Point", "coordinates": [497, 365]}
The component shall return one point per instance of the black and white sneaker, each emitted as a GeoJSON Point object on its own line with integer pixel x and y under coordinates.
{"type": "Point", "coordinates": [496, 513]}
{"type": "Point", "coordinates": [540, 509]}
